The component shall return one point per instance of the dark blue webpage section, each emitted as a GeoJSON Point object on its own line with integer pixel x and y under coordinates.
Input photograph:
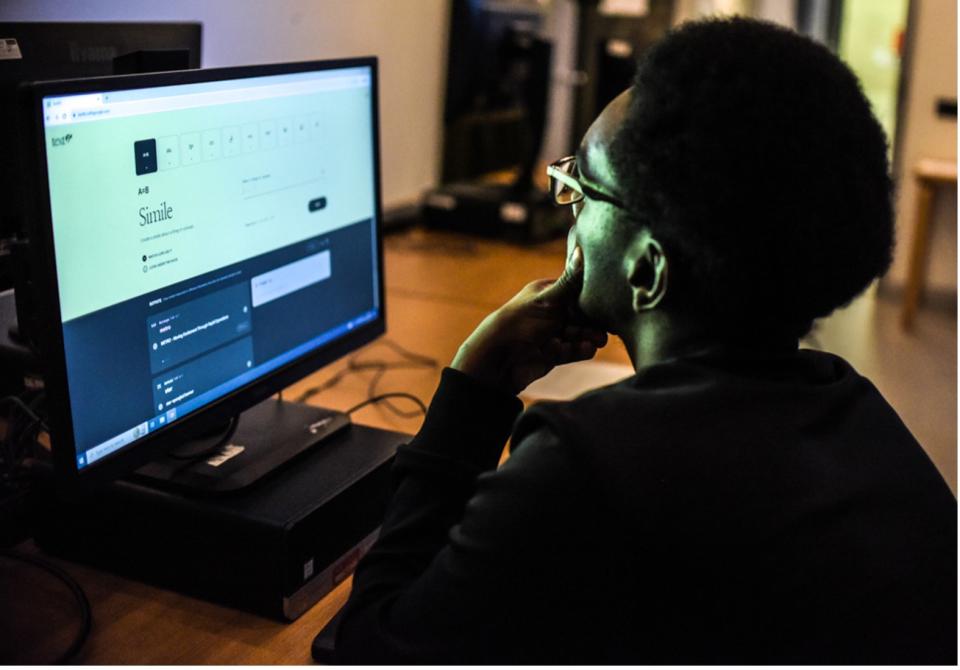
{"type": "Point", "coordinates": [202, 324]}
{"type": "Point", "coordinates": [173, 388]}
{"type": "Point", "coordinates": [113, 370]}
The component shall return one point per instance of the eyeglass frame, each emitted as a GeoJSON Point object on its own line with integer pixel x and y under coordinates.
{"type": "Point", "coordinates": [555, 171]}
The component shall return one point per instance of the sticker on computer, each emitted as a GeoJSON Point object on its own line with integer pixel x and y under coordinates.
{"type": "Point", "coordinates": [225, 455]}
{"type": "Point", "coordinates": [9, 49]}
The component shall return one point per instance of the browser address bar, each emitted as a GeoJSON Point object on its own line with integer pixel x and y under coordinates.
{"type": "Point", "coordinates": [89, 108]}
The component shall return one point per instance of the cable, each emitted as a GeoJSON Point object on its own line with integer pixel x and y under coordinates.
{"type": "Point", "coordinates": [406, 353]}
{"type": "Point", "coordinates": [385, 396]}
{"type": "Point", "coordinates": [20, 438]}
{"type": "Point", "coordinates": [411, 360]}
{"type": "Point", "coordinates": [372, 392]}
{"type": "Point", "coordinates": [25, 408]}
{"type": "Point", "coordinates": [417, 360]}
{"type": "Point", "coordinates": [86, 617]}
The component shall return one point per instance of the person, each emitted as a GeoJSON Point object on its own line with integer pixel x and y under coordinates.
{"type": "Point", "coordinates": [738, 500]}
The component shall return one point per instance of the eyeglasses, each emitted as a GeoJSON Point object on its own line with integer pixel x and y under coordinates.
{"type": "Point", "coordinates": [566, 189]}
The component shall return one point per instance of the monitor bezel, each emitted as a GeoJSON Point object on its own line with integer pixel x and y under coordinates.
{"type": "Point", "coordinates": [45, 301]}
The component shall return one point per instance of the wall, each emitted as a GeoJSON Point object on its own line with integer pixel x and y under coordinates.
{"type": "Point", "coordinates": [408, 36]}
{"type": "Point", "coordinates": [561, 29]}
{"type": "Point", "coordinates": [931, 73]}
{"type": "Point", "coordinates": [869, 33]}
{"type": "Point", "coordinates": [778, 11]}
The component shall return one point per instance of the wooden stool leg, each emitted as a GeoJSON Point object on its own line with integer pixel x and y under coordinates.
{"type": "Point", "coordinates": [916, 271]}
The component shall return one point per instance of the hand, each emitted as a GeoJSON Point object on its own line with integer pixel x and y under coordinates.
{"type": "Point", "coordinates": [537, 329]}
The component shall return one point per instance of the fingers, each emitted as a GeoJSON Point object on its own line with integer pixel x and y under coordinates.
{"type": "Point", "coordinates": [573, 333]}
{"type": "Point", "coordinates": [559, 351]}
{"type": "Point", "coordinates": [567, 286]}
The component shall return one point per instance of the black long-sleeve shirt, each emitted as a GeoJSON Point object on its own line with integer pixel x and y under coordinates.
{"type": "Point", "coordinates": [725, 508]}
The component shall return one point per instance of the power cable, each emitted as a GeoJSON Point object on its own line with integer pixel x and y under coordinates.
{"type": "Point", "coordinates": [86, 617]}
{"type": "Point", "coordinates": [384, 396]}
{"type": "Point", "coordinates": [409, 360]}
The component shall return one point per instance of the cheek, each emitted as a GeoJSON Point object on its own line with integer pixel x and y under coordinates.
{"type": "Point", "coordinates": [588, 234]}
{"type": "Point", "coordinates": [572, 241]}
{"type": "Point", "coordinates": [605, 297]}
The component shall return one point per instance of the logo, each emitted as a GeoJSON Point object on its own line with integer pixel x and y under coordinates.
{"type": "Point", "coordinates": [317, 426]}
{"type": "Point", "coordinates": [91, 53]}
{"type": "Point", "coordinates": [62, 141]}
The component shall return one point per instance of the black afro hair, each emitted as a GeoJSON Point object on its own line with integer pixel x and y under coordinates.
{"type": "Point", "coordinates": [753, 155]}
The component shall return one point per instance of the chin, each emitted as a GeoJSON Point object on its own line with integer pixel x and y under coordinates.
{"type": "Point", "coordinates": [593, 314]}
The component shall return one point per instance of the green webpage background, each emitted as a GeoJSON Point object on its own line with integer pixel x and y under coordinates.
{"type": "Point", "coordinates": [224, 209]}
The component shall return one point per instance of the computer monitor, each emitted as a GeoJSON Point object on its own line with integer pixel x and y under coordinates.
{"type": "Point", "coordinates": [202, 239]}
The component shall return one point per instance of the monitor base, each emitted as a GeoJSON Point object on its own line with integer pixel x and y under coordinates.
{"type": "Point", "coordinates": [269, 435]}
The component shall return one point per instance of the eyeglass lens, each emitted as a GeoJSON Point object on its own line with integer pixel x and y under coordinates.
{"type": "Point", "coordinates": [564, 194]}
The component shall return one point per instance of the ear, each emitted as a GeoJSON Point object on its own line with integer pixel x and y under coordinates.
{"type": "Point", "coordinates": [646, 272]}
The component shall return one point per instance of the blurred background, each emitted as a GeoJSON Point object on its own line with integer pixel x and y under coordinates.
{"type": "Point", "coordinates": [478, 95]}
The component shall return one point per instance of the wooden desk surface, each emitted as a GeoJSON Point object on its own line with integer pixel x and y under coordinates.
{"type": "Point", "coordinates": [439, 287]}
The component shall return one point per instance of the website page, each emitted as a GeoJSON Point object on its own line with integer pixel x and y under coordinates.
{"type": "Point", "coordinates": [205, 234]}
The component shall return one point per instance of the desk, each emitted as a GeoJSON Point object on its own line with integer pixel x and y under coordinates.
{"type": "Point", "coordinates": [439, 287]}
{"type": "Point", "coordinates": [929, 174]}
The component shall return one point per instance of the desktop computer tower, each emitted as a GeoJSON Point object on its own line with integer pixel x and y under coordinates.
{"type": "Point", "coordinates": [274, 548]}
{"type": "Point", "coordinates": [495, 211]}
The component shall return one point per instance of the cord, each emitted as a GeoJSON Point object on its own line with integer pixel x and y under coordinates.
{"type": "Point", "coordinates": [86, 617]}
{"type": "Point", "coordinates": [25, 408]}
{"type": "Point", "coordinates": [20, 438]}
{"type": "Point", "coordinates": [416, 360]}
{"type": "Point", "coordinates": [406, 353]}
{"type": "Point", "coordinates": [384, 396]}
{"type": "Point", "coordinates": [372, 393]}
{"type": "Point", "coordinates": [410, 360]}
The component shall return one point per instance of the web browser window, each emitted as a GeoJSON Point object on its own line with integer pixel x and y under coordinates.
{"type": "Point", "coordinates": [206, 234]}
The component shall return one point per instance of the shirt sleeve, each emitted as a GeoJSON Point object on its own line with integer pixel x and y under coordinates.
{"type": "Point", "coordinates": [458, 574]}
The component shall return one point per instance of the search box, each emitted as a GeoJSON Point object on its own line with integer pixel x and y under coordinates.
{"type": "Point", "coordinates": [289, 278]}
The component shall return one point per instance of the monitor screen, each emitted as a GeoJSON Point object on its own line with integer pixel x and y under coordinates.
{"type": "Point", "coordinates": [206, 235]}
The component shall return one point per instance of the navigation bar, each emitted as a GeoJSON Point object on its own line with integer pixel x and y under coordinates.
{"type": "Point", "coordinates": [71, 109]}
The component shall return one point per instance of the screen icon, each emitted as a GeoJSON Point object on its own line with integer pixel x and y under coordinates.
{"type": "Point", "coordinates": [145, 156]}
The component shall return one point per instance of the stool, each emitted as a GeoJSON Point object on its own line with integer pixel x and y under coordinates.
{"type": "Point", "coordinates": [929, 174]}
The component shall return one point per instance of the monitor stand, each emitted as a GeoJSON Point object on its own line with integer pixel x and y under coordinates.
{"type": "Point", "coordinates": [268, 436]}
